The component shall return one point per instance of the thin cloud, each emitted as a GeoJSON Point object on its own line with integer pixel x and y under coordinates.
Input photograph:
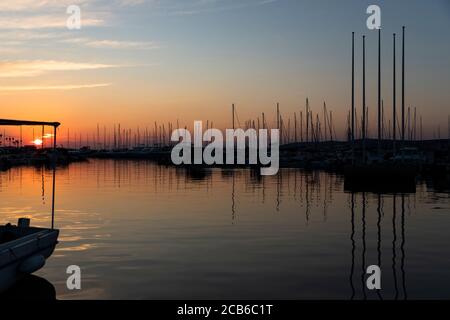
{"type": "Point", "coordinates": [38, 67]}
{"type": "Point", "coordinates": [28, 5]}
{"type": "Point", "coordinates": [131, 2]}
{"type": "Point", "coordinates": [113, 44]}
{"type": "Point", "coordinates": [34, 5]}
{"type": "Point", "coordinates": [28, 35]}
{"type": "Point", "coordinates": [55, 87]}
{"type": "Point", "coordinates": [210, 6]}
{"type": "Point", "coordinates": [44, 22]}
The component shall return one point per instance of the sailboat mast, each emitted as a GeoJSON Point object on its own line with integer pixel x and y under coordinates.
{"type": "Point", "coordinates": [295, 127]}
{"type": "Point", "coordinates": [307, 120]}
{"type": "Point", "coordinates": [353, 98]}
{"type": "Point", "coordinates": [379, 90]}
{"type": "Point", "coordinates": [403, 83]}
{"type": "Point", "coordinates": [232, 115]}
{"type": "Point", "coordinates": [394, 97]}
{"type": "Point", "coordinates": [324, 121]}
{"type": "Point", "coordinates": [364, 100]}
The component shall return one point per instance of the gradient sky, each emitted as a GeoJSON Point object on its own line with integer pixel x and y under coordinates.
{"type": "Point", "coordinates": [137, 61]}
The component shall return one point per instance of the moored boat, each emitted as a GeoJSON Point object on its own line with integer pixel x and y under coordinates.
{"type": "Point", "coordinates": [23, 250]}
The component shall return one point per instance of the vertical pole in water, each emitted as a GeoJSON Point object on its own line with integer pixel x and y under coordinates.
{"type": "Point", "coordinates": [353, 98]}
{"type": "Point", "coordinates": [403, 84]}
{"type": "Point", "coordinates": [54, 177]}
{"type": "Point", "coordinates": [364, 101]}
{"type": "Point", "coordinates": [394, 122]}
{"type": "Point", "coordinates": [379, 91]}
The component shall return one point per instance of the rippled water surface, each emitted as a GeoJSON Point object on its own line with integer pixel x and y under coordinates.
{"type": "Point", "coordinates": [139, 230]}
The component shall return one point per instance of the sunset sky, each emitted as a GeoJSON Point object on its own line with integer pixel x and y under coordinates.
{"type": "Point", "coordinates": [140, 61]}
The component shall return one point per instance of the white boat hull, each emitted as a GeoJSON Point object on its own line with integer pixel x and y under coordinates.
{"type": "Point", "coordinates": [26, 254]}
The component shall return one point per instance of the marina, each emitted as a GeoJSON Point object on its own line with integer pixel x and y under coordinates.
{"type": "Point", "coordinates": [211, 152]}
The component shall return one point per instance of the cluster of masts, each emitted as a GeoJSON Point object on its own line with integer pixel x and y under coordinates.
{"type": "Point", "coordinates": [301, 126]}
{"type": "Point", "coordinates": [122, 138]}
{"type": "Point", "coordinates": [405, 128]}
{"type": "Point", "coordinates": [414, 126]}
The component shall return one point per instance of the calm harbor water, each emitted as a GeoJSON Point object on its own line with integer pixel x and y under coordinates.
{"type": "Point", "coordinates": [143, 231]}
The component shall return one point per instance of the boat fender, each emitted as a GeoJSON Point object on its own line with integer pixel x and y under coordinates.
{"type": "Point", "coordinates": [32, 264]}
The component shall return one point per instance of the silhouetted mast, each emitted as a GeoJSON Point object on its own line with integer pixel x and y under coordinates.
{"type": "Point", "coordinates": [295, 127]}
{"type": "Point", "coordinates": [394, 97]}
{"type": "Point", "coordinates": [379, 90]}
{"type": "Point", "coordinates": [403, 83]}
{"type": "Point", "coordinates": [353, 96]}
{"type": "Point", "coordinates": [409, 124]}
{"type": "Point", "coordinates": [232, 111]}
{"type": "Point", "coordinates": [263, 121]}
{"type": "Point", "coordinates": [383, 133]}
{"type": "Point", "coordinates": [324, 121]}
{"type": "Point", "coordinates": [307, 120]}
{"type": "Point", "coordinates": [301, 126]}
{"type": "Point", "coordinates": [364, 100]}
{"type": "Point", "coordinates": [278, 116]}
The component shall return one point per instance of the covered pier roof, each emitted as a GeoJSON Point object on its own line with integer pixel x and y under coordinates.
{"type": "Point", "coordinates": [5, 122]}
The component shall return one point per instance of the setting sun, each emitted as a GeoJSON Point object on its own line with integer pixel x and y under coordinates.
{"type": "Point", "coordinates": [37, 142]}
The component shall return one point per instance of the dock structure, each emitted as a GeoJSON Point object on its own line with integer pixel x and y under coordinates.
{"type": "Point", "coordinates": [55, 125]}
{"type": "Point", "coordinates": [5, 122]}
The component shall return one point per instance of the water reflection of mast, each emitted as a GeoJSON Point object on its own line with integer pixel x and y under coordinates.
{"type": "Point", "coordinates": [379, 209]}
{"type": "Point", "coordinates": [54, 178]}
{"type": "Point", "coordinates": [352, 238]}
{"type": "Point", "coordinates": [233, 204]}
{"type": "Point", "coordinates": [402, 264]}
{"type": "Point", "coordinates": [307, 196]}
{"type": "Point", "coordinates": [43, 185]}
{"type": "Point", "coordinates": [325, 199]}
{"type": "Point", "coordinates": [263, 190]}
{"type": "Point", "coordinates": [295, 185]}
{"type": "Point", "coordinates": [394, 256]}
{"type": "Point", "coordinates": [278, 190]}
{"type": "Point", "coordinates": [363, 275]}
{"type": "Point", "coordinates": [53, 186]}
